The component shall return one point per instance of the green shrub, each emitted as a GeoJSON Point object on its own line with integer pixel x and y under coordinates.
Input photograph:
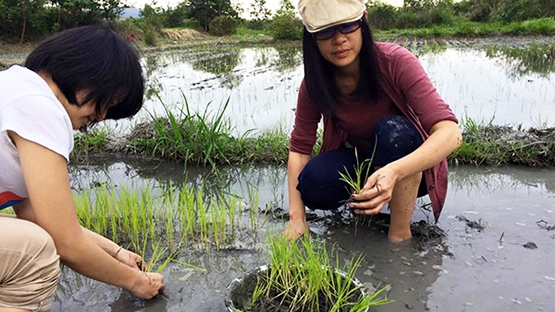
{"type": "Point", "coordinates": [382, 16]}
{"type": "Point", "coordinates": [286, 26]}
{"type": "Point", "coordinates": [223, 25]}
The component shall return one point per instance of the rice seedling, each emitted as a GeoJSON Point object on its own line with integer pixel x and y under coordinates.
{"type": "Point", "coordinates": [187, 216]}
{"type": "Point", "coordinates": [361, 171]}
{"type": "Point", "coordinates": [253, 200]}
{"type": "Point", "coordinates": [303, 277]}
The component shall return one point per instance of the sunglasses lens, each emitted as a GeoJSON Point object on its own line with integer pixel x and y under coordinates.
{"type": "Point", "coordinates": [325, 33]}
{"type": "Point", "coordinates": [344, 28]}
{"type": "Point", "coordinates": [349, 27]}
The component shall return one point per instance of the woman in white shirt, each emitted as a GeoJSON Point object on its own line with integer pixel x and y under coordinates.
{"type": "Point", "coordinates": [74, 79]}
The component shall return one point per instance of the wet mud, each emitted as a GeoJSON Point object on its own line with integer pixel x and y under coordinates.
{"type": "Point", "coordinates": [491, 249]}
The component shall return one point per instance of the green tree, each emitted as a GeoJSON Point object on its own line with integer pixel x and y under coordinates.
{"type": "Point", "coordinates": [285, 25]}
{"type": "Point", "coordinates": [176, 17]}
{"type": "Point", "coordinates": [204, 11]}
{"type": "Point", "coordinates": [259, 13]}
{"type": "Point", "coordinates": [73, 13]}
{"type": "Point", "coordinates": [19, 18]}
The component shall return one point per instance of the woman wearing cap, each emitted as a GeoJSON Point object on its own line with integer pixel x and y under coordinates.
{"type": "Point", "coordinates": [73, 79]}
{"type": "Point", "coordinates": [369, 95]}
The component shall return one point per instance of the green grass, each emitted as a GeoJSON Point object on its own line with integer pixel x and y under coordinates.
{"type": "Point", "coordinates": [543, 26]}
{"type": "Point", "coordinates": [205, 138]}
{"type": "Point", "coordinates": [93, 141]}
{"type": "Point", "coordinates": [491, 145]}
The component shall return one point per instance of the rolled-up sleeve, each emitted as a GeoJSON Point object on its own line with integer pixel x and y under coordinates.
{"type": "Point", "coordinates": [307, 117]}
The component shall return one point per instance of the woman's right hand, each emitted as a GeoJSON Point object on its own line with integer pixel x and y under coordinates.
{"type": "Point", "coordinates": [148, 286]}
{"type": "Point", "coordinates": [296, 228]}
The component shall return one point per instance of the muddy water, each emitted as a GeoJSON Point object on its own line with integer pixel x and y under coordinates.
{"type": "Point", "coordinates": [496, 254]}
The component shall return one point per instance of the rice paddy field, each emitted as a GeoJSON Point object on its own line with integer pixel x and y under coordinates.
{"type": "Point", "coordinates": [202, 223]}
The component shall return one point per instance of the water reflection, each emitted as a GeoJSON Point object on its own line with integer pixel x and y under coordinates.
{"type": "Point", "coordinates": [507, 86]}
{"type": "Point", "coordinates": [490, 180]}
{"type": "Point", "coordinates": [537, 59]}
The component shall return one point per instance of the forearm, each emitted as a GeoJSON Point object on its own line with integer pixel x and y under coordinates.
{"type": "Point", "coordinates": [295, 165]}
{"type": "Point", "coordinates": [84, 254]}
{"type": "Point", "coordinates": [445, 138]}
{"type": "Point", "coordinates": [104, 243]}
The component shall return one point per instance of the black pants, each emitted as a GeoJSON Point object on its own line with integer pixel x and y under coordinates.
{"type": "Point", "coordinates": [319, 182]}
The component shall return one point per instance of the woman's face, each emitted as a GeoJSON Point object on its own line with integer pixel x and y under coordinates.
{"type": "Point", "coordinates": [83, 115]}
{"type": "Point", "coordinates": [341, 49]}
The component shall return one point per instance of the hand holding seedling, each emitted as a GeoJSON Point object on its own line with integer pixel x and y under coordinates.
{"type": "Point", "coordinates": [148, 286]}
{"type": "Point", "coordinates": [376, 193]}
{"type": "Point", "coordinates": [128, 258]}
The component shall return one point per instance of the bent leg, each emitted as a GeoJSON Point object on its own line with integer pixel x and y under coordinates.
{"type": "Point", "coordinates": [401, 206]}
{"type": "Point", "coordinates": [319, 182]}
{"type": "Point", "coordinates": [30, 266]}
{"type": "Point", "coordinates": [396, 138]}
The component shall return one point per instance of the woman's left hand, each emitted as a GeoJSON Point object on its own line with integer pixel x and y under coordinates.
{"type": "Point", "coordinates": [376, 193]}
{"type": "Point", "coordinates": [129, 258]}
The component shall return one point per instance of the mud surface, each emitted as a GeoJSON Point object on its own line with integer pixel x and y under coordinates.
{"type": "Point", "coordinates": [492, 249]}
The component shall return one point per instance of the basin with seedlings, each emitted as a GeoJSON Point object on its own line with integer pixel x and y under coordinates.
{"type": "Point", "coordinates": [302, 277]}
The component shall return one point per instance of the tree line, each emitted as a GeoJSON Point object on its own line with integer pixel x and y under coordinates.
{"type": "Point", "coordinates": [22, 20]}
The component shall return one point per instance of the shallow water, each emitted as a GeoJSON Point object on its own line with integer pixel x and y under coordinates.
{"type": "Point", "coordinates": [506, 82]}
{"type": "Point", "coordinates": [502, 80]}
{"type": "Point", "coordinates": [470, 270]}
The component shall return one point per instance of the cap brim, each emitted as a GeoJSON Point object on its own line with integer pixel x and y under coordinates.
{"type": "Point", "coordinates": [313, 28]}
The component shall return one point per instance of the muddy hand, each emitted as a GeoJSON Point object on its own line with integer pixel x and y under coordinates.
{"type": "Point", "coordinates": [376, 193]}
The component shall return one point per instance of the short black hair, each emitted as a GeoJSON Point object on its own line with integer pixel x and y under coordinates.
{"type": "Point", "coordinates": [95, 60]}
{"type": "Point", "coordinates": [319, 73]}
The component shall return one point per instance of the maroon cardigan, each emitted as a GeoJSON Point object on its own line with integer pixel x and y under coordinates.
{"type": "Point", "coordinates": [405, 82]}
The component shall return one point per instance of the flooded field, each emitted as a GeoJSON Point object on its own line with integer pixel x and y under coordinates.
{"type": "Point", "coordinates": [496, 253]}
{"type": "Point", "coordinates": [492, 249]}
{"type": "Point", "coordinates": [503, 81]}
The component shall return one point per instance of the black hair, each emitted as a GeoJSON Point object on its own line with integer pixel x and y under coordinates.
{"type": "Point", "coordinates": [319, 73]}
{"type": "Point", "coordinates": [94, 60]}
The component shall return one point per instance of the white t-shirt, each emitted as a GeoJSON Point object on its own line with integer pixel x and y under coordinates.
{"type": "Point", "coordinates": [29, 108]}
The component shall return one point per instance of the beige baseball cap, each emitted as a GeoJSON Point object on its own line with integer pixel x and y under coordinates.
{"type": "Point", "coordinates": [321, 14]}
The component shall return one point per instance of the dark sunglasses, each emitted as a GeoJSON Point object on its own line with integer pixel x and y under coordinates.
{"type": "Point", "coordinates": [345, 28]}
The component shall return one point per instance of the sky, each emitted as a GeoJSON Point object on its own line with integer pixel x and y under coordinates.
{"type": "Point", "coordinates": [245, 4]}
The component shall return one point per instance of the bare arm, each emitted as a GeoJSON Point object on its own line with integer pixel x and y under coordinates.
{"type": "Point", "coordinates": [297, 217]}
{"type": "Point", "coordinates": [25, 211]}
{"type": "Point", "coordinates": [47, 181]}
{"type": "Point", "coordinates": [445, 137]}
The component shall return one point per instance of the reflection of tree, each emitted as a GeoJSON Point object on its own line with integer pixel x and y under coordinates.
{"type": "Point", "coordinates": [421, 47]}
{"type": "Point", "coordinates": [289, 58]}
{"type": "Point", "coordinates": [489, 180]}
{"type": "Point", "coordinates": [217, 63]}
{"type": "Point", "coordinates": [539, 59]}
{"type": "Point", "coordinates": [220, 64]}
{"type": "Point", "coordinates": [150, 64]}
{"type": "Point", "coordinates": [165, 175]}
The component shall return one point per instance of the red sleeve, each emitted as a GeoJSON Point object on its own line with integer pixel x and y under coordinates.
{"type": "Point", "coordinates": [307, 117]}
{"type": "Point", "coordinates": [419, 92]}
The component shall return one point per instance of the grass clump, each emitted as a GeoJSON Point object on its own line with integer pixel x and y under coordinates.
{"type": "Point", "coordinates": [492, 145]}
{"type": "Point", "coordinates": [204, 138]}
{"type": "Point", "coordinates": [301, 277]}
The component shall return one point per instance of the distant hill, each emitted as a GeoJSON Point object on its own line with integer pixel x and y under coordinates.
{"type": "Point", "coordinates": [130, 12]}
